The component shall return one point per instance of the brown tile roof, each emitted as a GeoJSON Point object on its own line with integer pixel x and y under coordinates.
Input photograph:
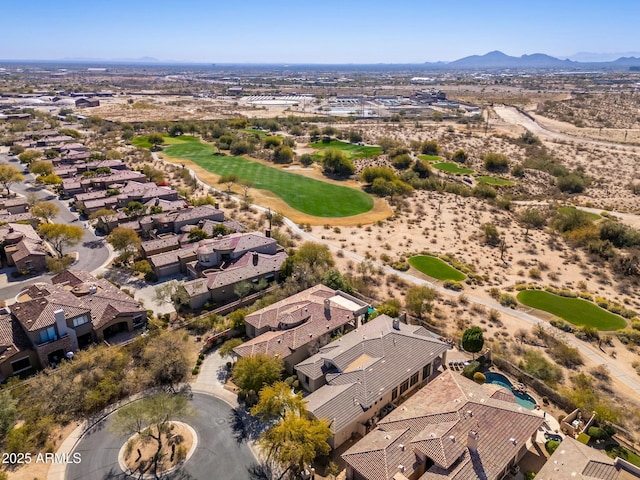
{"type": "Point", "coordinates": [437, 422]}
{"type": "Point", "coordinates": [574, 460]}
{"type": "Point", "coordinates": [12, 338]}
{"type": "Point", "coordinates": [168, 258]}
{"type": "Point", "coordinates": [315, 323]}
{"type": "Point", "coordinates": [28, 248]}
{"type": "Point", "coordinates": [106, 304]}
{"type": "Point", "coordinates": [375, 358]}
{"type": "Point", "coordinates": [270, 316]}
{"type": "Point", "coordinates": [169, 241]}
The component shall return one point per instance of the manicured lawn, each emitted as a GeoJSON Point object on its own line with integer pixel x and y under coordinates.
{"type": "Point", "coordinates": [306, 195]}
{"type": "Point", "coordinates": [450, 167]}
{"type": "Point", "coordinates": [591, 216]}
{"type": "Point", "coordinates": [353, 150]}
{"type": "Point", "coordinates": [430, 158]}
{"type": "Point", "coordinates": [141, 142]}
{"type": "Point", "coordinates": [619, 451]}
{"type": "Point", "coordinates": [499, 182]}
{"type": "Point", "coordinates": [436, 268]}
{"type": "Point", "coordinates": [573, 310]}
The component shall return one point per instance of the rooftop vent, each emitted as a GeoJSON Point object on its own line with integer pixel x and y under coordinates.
{"type": "Point", "coordinates": [452, 438]}
{"type": "Point", "coordinates": [513, 440]}
{"type": "Point", "coordinates": [401, 468]}
{"type": "Point", "coordinates": [402, 447]}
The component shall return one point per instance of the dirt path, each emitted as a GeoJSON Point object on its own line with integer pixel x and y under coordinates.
{"type": "Point", "coordinates": [512, 116]}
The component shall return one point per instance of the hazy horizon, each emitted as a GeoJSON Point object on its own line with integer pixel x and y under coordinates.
{"type": "Point", "coordinates": [283, 31]}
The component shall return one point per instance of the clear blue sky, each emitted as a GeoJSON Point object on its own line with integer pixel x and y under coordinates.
{"type": "Point", "coordinates": [327, 31]}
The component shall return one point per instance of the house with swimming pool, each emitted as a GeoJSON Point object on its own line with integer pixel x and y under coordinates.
{"type": "Point", "coordinates": [452, 428]}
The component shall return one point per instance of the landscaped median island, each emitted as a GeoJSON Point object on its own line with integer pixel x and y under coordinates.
{"type": "Point", "coordinates": [574, 310]}
{"type": "Point", "coordinates": [436, 268]}
{"type": "Point", "coordinates": [307, 195]}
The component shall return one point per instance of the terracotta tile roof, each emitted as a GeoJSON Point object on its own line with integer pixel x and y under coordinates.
{"type": "Point", "coordinates": [271, 315]}
{"type": "Point", "coordinates": [437, 422]}
{"type": "Point", "coordinates": [574, 460]}
{"type": "Point", "coordinates": [12, 338]}
{"type": "Point", "coordinates": [106, 304]}
{"type": "Point", "coordinates": [169, 241]}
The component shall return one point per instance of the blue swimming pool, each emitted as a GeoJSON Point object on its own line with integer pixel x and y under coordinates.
{"type": "Point", "coordinates": [524, 399]}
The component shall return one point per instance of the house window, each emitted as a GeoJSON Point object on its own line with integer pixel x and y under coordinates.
{"type": "Point", "coordinates": [20, 365]}
{"type": "Point", "coordinates": [47, 335]}
{"type": "Point", "coordinates": [426, 372]}
{"type": "Point", "coordinates": [414, 378]}
{"type": "Point", "coordinates": [81, 320]}
{"type": "Point", "coordinates": [394, 394]}
{"type": "Point", "coordinates": [404, 387]}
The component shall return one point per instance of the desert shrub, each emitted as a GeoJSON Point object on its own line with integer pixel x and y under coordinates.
{"type": "Point", "coordinates": [534, 363]}
{"type": "Point", "coordinates": [452, 285]}
{"type": "Point", "coordinates": [482, 190]}
{"type": "Point", "coordinates": [551, 446]}
{"type": "Point", "coordinates": [430, 147]}
{"type": "Point", "coordinates": [572, 183]}
{"type": "Point", "coordinates": [401, 162]}
{"type": "Point", "coordinates": [460, 156]}
{"type": "Point", "coordinates": [561, 324]}
{"type": "Point", "coordinates": [496, 162]}
{"type": "Point", "coordinates": [470, 370]}
{"type": "Point", "coordinates": [369, 174]}
{"type": "Point", "coordinates": [479, 378]}
{"type": "Point", "coordinates": [507, 300]}
{"type": "Point", "coordinates": [565, 355]}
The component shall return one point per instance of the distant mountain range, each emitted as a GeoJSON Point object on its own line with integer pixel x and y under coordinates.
{"type": "Point", "coordinates": [499, 60]}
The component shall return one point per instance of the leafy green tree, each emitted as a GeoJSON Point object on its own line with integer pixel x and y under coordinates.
{"type": "Point", "coordinates": [276, 400]}
{"type": "Point", "coordinates": [29, 156]}
{"type": "Point", "coordinates": [237, 318]}
{"type": "Point", "coordinates": [196, 234]}
{"type": "Point", "coordinates": [254, 372]}
{"type": "Point", "coordinates": [164, 360]}
{"type": "Point", "coordinates": [296, 441]}
{"type": "Point", "coordinates": [420, 299]}
{"type": "Point", "coordinates": [337, 163]}
{"type": "Point", "coordinates": [60, 235]}
{"type": "Point", "coordinates": [155, 139]}
{"type": "Point", "coordinates": [101, 216]}
{"type": "Point", "coordinates": [226, 349]}
{"type": "Point", "coordinates": [306, 159]}
{"type": "Point", "coordinates": [41, 168]}
{"type": "Point", "coordinates": [242, 289]}
{"type": "Point", "coordinates": [472, 340]}
{"type": "Point", "coordinates": [150, 419]}
{"type": "Point", "coordinates": [135, 209]}
{"type": "Point", "coordinates": [9, 175]}
{"type": "Point", "coordinates": [332, 278]}
{"type": "Point", "coordinates": [532, 218]}
{"type": "Point", "coordinates": [126, 241]}
{"type": "Point", "coordinates": [355, 136]}
{"type": "Point", "coordinates": [172, 292]}
{"type": "Point", "coordinates": [52, 179]}
{"type": "Point", "coordinates": [491, 234]}
{"type": "Point", "coordinates": [45, 210]}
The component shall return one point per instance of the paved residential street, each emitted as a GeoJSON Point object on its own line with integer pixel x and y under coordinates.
{"type": "Point", "coordinates": [217, 455]}
{"type": "Point", "coordinates": [93, 250]}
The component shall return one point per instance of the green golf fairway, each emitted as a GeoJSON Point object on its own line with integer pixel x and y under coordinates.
{"type": "Point", "coordinates": [573, 310]}
{"type": "Point", "coordinates": [436, 268]}
{"type": "Point", "coordinates": [313, 197]}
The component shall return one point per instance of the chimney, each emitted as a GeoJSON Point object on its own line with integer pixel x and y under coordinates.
{"type": "Point", "coordinates": [255, 257]}
{"type": "Point", "coordinates": [216, 205]}
{"type": "Point", "coordinates": [472, 441]}
{"type": "Point", "coordinates": [267, 233]}
{"type": "Point", "coordinates": [403, 317]}
{"type": "Point", "coordinates": [396, 324]}
{"type": "Point", "coordinates": [327, 307]}
{"type": "Point", "coordinates": [64, 329]}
